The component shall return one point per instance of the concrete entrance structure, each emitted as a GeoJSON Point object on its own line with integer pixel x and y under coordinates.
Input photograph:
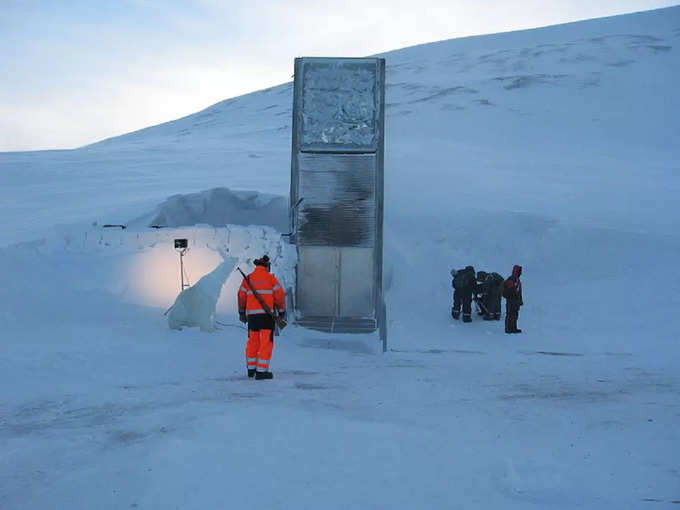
{"type": "Point", "coordinates": [337, 192]}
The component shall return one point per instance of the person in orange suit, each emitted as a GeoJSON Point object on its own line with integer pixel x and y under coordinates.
{"type": "Point", "coordinates": [260, 324]}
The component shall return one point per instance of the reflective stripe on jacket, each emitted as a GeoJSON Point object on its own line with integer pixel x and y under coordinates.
{"type": "Point", "coordinates": [268, 288]}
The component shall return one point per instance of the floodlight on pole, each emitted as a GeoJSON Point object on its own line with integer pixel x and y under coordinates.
{"type": "Point", "coordinates": [182, 246]}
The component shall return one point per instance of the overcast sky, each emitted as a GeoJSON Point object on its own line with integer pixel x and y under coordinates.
{"type": "Point", "coordinates": [74, 72]}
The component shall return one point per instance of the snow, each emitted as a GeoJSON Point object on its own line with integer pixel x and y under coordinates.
{"type": "Point", "coordinates": [554, 148]}
{"type": "Point", "coordinates": [195, 306]}
{"type": "Point", "coordinates": [220, 207]}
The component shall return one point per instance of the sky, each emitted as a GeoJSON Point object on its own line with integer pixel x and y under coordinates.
{"type": "Point", "coordinates": [76, 72]}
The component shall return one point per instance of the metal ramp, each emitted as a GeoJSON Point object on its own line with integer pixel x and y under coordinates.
{"type": "Point", "coordinates": [339, 324]}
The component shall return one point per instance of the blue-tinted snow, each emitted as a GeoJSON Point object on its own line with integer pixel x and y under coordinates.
{"type": "Point", "coordinates": [554, 148]}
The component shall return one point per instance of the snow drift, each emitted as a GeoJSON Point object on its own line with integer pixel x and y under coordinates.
{"type": "Point", "coordinates": [195, 306]}
{"type": "Point", "coordinates": [219, 207]}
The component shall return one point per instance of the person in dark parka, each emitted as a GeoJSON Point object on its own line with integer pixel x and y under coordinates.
{"type": "Point", "coordinates": [495, 292]}
{"type": "Point", "coordinates": [512, 292]}
{"type": "Point", "coordinates": [464, 286]}
{"type": "Point", "coordinates": [481, 293]}
{"type": "Point", "coordinates": [490, 290]}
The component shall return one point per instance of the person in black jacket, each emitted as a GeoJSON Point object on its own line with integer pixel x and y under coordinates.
{"type": "Point", "coordinates": [512, 292]}
{"type": "Point", "coordinates": [481, 293]}
{"type": "Point", "coordinates": [494, 298]}
{"type": "Point", "coordinates": [489, 291]}
{"type": "Point", "coordinates": [463, 285]}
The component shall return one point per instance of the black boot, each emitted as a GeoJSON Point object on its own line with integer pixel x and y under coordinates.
{"type": "Point", "coordinates": [514, 327]}
{"type": "Point", "coordinates": [251, 372]}
{"type": "Point", "coordinates": [263, 375]}
{"type": "Point", "coordinates": [455, 314]}
{"type": "Point", "coordinates": [467, 318]}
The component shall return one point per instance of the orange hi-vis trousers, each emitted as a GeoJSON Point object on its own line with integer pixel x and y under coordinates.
{"type": "Point", "coordinates": [259, 349]}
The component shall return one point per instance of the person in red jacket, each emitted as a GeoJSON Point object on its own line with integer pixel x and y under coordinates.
{"type": "Point", "coordinates": [260, 324]}
{"type": "Point", "coordinates": [512, 292]}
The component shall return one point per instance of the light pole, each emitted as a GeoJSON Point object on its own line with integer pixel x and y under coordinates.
{"type": "Point", "coordinates": [182, 245]}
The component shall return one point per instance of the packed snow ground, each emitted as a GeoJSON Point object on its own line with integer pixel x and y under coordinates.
{"type": "Point", "coordinates": [554, 148]}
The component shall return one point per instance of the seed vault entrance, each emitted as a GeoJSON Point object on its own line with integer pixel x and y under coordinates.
{"type": "Point", "coordinates": [337, 192]}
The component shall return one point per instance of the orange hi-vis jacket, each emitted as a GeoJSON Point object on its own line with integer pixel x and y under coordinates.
{"type": "Point", "coordinates": [268, 288]}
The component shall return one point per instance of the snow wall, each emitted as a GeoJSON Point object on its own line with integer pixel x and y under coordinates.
{"type": "Point", "coordinates": [140, 265]}
{"type": "Point", "coordinates": [219, 207]}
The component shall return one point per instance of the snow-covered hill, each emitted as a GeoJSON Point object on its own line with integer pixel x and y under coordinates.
{"type": "Point", "coordinates": [581, 105]}
{"type": "Point", "coordinates": [554, 148]}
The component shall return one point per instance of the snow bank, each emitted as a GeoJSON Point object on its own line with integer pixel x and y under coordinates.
{"type": "Point", "coordinates": [195, 306]}
{"type": "Point", "coordinates": [141, 266]}
{"type": "Point", "coordinates": [219, 207]}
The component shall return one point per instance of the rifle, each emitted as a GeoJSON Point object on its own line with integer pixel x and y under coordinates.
{"type": "Point", "coordinates": [277, 320]}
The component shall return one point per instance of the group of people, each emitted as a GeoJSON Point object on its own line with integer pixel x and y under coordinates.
{"type": "Point", "coordinates": [261, 299]}
{"type": "Point", "coordinates": [486, 290]}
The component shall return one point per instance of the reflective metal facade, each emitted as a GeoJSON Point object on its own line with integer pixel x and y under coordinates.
{"type": "Point", "coordinates": [337, 192]}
